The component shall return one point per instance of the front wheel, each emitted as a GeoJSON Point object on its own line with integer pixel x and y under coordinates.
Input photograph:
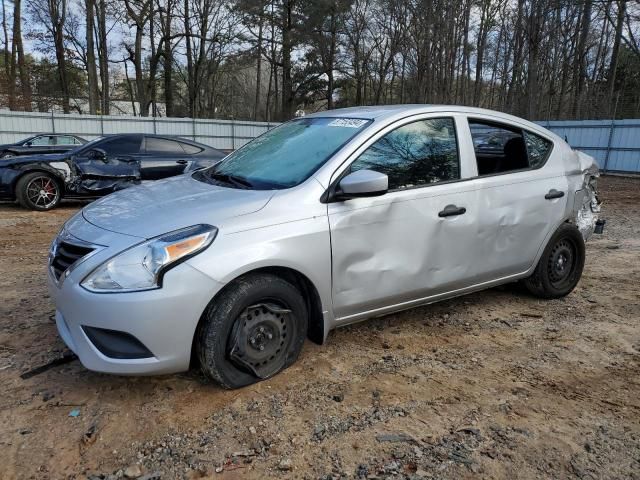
{"type": "Point", "coordinates": [252, 330]}
{"type": "Point", "coordinates": [560, 267]}
{"type": "Point", "coordinates": [38, 191]}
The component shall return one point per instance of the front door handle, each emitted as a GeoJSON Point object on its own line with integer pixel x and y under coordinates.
{"type": "Point", "coordinates": [553, 193]}
{"type": "Point", "coordinates": [451, 210]}
{"type": "Point", "coordinates": [182, 162]}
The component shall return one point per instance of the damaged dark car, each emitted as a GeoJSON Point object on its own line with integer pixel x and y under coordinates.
{"type": "Point", "coordinates": [100, 167]}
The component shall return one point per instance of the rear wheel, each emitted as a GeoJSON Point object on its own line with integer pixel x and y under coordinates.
{"type": "Point", "coordinates": [38, 191]}
{"type": "Point", "coordinates": [7, 155]}
{"type": "Point", "coordinates": [560, 267]}
{"type": "Point", "coordinates": [252, 330]}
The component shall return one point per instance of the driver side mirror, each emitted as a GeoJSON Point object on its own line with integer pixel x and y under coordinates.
{"type": "Point", "coordinates": [362, 183]}
{"type": "Point", "coordinates": [97, 154]}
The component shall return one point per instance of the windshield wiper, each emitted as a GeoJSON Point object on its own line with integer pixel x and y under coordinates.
{"type": "Point", "coordinates": [231, 179]}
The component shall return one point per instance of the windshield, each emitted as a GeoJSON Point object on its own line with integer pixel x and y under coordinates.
{"type": "Point", "coordinates": [285, 156]}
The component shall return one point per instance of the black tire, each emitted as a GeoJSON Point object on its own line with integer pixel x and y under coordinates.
{"type": "Point", "coordinates": [38, 191]}
{"type": "Point", "coordinates": [7, 155]}
{"type": "Point", "coordinates": [560, 266]}
{"type": "Point", "coordinates": [225, 341]}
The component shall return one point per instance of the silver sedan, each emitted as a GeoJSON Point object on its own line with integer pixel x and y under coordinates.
{"type": "Point", "coordinates": [325, 220]}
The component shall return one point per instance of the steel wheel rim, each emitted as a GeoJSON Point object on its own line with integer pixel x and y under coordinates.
{"type": "Point", "coordinates": [42, 191]}
{"type": "Point", "coordinates": [260, 338]}
{"type": "Point", "coordinates": [562, 262]}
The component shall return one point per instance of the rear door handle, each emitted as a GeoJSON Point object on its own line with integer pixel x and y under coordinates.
{"type": "Point", "coordinates": [553, 193]}
{"type": "Point", "coordinates": [182, 162]}
{"type": "Point", "coordinates": [451, 210]}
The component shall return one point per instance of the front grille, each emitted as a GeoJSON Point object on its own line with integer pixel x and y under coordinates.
{"type": "Point", "coordinates": [65, 255]}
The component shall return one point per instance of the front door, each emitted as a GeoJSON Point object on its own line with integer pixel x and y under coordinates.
{"type": "Point", "coordinates": [163, 158]}
{"type": "Point", "coordinates": [416, 240]}
{"type": "Point", "coordinates": [118, 169]}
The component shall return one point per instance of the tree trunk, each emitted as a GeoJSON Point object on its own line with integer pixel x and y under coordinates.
{"type": "Point", "coordinates": [191, 100]}
{"type": "Point", "coordinates": [287, 84]}
{"type": "Point", "coordinates": [167, 58]}
{"type": "Point", "coordinates": [58, 12]}
{"type": "Point", "coordinates": [581, 52]}
{"type": "Point", "coordinates": [6, 53]}
{"type": "Point", "coordinates": [331, 59]}
{"type": "Point", "coordinates": [258, 71]}
{"type": "Point", "coordinates": [103, 56]}
{"type": "Point", "coordinates": [92, 73]}
{"type": "Point", "coordinates": [18, 62]}
{"type": "Point", "coordinates": [613, 65]}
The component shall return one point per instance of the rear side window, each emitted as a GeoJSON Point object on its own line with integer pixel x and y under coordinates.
{"type": "Point", "coordinates": [501, 148]}
{"type": "Point", "coordinates": [414, 155]}
{"type": "Point", "coordinates": [538, 149]}
{"type": "Point", "coordinates": [163, 146]}
{"type": "Point", "coordinates": [190, 149]}
{"type": "Point", "coordinates": [66, 140]}
{"type": "Point", "coordinates": [498, 148]}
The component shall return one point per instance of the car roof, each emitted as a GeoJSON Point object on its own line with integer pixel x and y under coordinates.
{"type": "Point", "coordinates": [380, 112]}
{"type": "Point", "coordinates": [389, 113]}
{"type": "Point", "coordinates": [45, 134]}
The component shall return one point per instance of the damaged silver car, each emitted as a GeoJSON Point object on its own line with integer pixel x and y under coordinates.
{"type": "Point", "coordinates": [326, 220]}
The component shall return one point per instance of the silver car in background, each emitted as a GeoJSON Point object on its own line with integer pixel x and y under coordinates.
{"type": "Point", "coordinates": [323, 221]}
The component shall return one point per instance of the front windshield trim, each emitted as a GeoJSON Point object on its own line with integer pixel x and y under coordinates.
{"type": "Point", "coordinates": [358, 125]}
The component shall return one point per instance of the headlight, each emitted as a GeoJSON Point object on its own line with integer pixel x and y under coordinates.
{"type": "Point", "coordinates": [141, 267]}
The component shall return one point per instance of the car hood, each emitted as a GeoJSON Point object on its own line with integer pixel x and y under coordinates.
{"type": "Point", "coordinates": [155, 208]}
{"type": "Point", "coordinates": [49, 157]}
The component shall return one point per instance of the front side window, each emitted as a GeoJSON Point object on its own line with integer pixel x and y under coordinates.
{"type": "Point", "coordinates": [287, 155]}
{"type": "Point", "coordinates": [415, 155]}
{"type": "Point", "coordinates": [129, 145]}
{"type": "Point", "coordinates": [43, 140]}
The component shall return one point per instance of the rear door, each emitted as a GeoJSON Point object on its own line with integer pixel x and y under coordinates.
{"type": "Point", "coordinates": [520, 193]}
{"type": "Point", "coordinates": [163, 157]}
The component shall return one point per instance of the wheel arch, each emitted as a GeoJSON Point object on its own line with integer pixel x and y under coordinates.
{"type": "Point", "coordinates": [12, 152]}
{"type": "Point", "coordinates": [567, 219]}
{"type": "Point", "coordinates": [317, 328]}
{"type": "Point", "coordinates": [39, 169]}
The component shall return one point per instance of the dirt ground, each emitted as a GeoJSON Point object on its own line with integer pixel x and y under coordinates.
{"type": "Point", "coordinates": [491, 385]}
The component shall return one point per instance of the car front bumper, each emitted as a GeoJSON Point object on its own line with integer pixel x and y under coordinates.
{"type": "Point", "coordinates": [163, 320]}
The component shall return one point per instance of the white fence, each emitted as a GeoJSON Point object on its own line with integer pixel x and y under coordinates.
{"type": "Point", "coordinates": [614, 144]}
{"type": "Point", "coordinates": [222, 134]}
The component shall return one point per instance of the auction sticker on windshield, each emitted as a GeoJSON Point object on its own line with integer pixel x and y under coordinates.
{"type": "Point", "coordinates": [348, 122]}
